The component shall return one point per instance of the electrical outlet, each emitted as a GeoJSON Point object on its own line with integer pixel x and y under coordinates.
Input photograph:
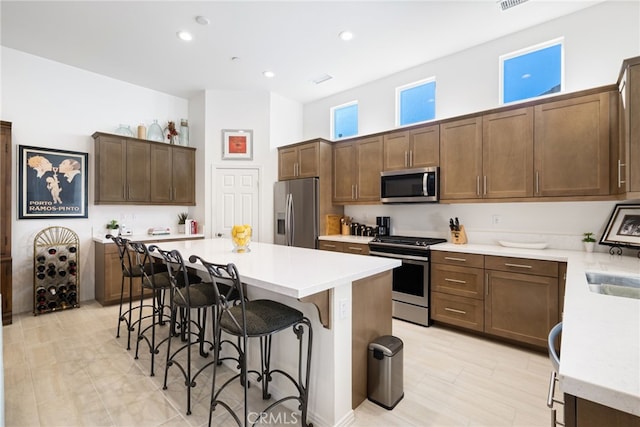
{"type": "Point", "coordinates": [496, 219]}
{"type": "Point", "coordinates": [343, 308]}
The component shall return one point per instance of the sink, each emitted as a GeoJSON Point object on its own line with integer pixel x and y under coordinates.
{"type": "Point", "coordinates": [617, 284]}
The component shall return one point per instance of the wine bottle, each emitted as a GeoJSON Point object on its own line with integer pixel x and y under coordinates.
{"type": "Point", "coordinates": [52, 251]}
{"type": "Point", "coordinates": [72, 249]}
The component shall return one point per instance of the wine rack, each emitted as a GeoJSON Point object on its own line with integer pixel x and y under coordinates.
{"type": "Point", "coordinates": [56, 270]}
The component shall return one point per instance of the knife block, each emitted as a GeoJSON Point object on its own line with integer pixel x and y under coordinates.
{"type": "Point", "coordinates": [459, 237]}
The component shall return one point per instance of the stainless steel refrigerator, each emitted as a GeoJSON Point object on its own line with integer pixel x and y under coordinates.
{"type": "Point", "coordinates": [297, 213]}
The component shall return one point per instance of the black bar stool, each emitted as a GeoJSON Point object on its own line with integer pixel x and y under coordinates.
{"type": "Point", "coordinates": [262, 319]}
{"type": "Point", "coordinates": [188, 292]}
{"type": "Point", "coordinates": [129, 271]}
{"type": "Point", "coordinates": [156, 279]}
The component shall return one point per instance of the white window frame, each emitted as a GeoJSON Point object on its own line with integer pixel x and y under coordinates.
{"type": "Point", "coordinates": [402, 88]}
{"type": "Point", "coordinates": [332, 119]}
{"type": "Point", "coordinates": [520, 52]}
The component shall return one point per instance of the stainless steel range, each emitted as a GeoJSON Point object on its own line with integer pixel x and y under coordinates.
{"type": "Point", "coordinates": [411, 280]}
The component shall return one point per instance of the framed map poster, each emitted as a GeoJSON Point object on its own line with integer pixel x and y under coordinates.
{"type": "Point", "coordinates": [51, 183]}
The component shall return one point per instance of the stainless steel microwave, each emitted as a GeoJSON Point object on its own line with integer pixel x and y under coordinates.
{"type": "Point", "coordinates": [410, 186]}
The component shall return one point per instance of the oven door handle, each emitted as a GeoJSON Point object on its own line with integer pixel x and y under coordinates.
{"type": "Point", "coordinates": [398, 256]}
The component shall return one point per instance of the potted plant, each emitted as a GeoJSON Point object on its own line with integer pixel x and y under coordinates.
{"type": "Point", "coordinates": [588, 241]}
{"type": "Point", "coordinates": [111, 226]}
{"type": "Point", "coordinates": [182, 217]}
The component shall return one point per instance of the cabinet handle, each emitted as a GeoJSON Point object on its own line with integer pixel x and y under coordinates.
{"type": "Point", "coordinates": [356, 198]}
{"type": "Point", "coordinates": [620, 180]}
{"type": "Point", "coordinates": [486, 284]}
{"type": "Point", "coordinates": [446, 279]}
{"type": "Point", "coordinates": [537, 182]}
{"type": "Point", "coordinates": [352, 191]}
{"type": "Point", "coordinates": [354, 248]}
{"type": "Point", "coordinates": [453, 310]}
{"type": "Point", "coordinates": [327, 245]}
{"type": "Point", "coordinates": [406, 159]}
{"type": "Point", "coordinates": [410, 157]}
{"type": "Point", "coordinates": [508, 264]}
{"type": "Point", "coordinates": [484, 185]}
{"type": "Point", "coordinates": [477, 185]}
{"type": "Point", "coordinates": [450, 258]}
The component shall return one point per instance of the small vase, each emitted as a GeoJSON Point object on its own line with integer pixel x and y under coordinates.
{"type": "Point", "coordinates": [173, 139]}
{"type": "Point", "coordinates": [184, 132]}
{"type": "Point", "coordinates": [588, 246]}
{"type": "Point", "coordinates": [154, 133]}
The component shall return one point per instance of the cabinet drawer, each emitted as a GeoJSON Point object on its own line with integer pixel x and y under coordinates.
{"type": "Point", "coordinates": [328, 245]}
{"type": "Point", "coordinates": [456, 280]}
{"type": "Point", "coordinates": [459, 311]}
{"type": "Point", "coordinates": [356, 248]}
{"type": "Point", "coordinates": [522, 265]}
{"type": "Point", "coordinates": [457, 258]}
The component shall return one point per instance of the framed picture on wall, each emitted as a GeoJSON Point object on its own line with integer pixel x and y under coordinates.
{"type": "Point", "coordinates": [51, 183]}
{"type": "Point", "coordinates": [237, 144]}
{"type": "Point", "coordinates": [623, 228]}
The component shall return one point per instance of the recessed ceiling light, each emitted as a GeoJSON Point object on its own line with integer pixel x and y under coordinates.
{"type": "Point", "coordinates": [268, 74]}
{"type": "Point", "coordinates": [184, 35]}
{"type": "Point", "coordinates": [345, 35]}
{"type": "Point", "coordinates": [202, 20]}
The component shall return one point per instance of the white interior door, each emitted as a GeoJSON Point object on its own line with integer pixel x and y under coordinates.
{"type": "Point", "coordinates": [236, 200]}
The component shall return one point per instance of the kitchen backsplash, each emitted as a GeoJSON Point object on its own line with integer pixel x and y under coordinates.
{"type": "Point", "coordinates": [559, 224]}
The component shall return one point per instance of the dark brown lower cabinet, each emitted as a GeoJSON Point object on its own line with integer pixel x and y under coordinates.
{"type": "Point", "coordinates": [580, 412]}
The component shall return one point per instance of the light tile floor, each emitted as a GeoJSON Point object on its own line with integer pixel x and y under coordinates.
{"type": "Point", "coordinates": [68, 369]}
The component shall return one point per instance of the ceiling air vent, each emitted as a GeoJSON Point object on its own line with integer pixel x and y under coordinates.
{"type": "Point", "coordinates": [508, 4]}
{"type": "Point", "coordinates": [322, 78]}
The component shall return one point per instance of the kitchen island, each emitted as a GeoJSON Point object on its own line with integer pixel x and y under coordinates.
{"type": "Point", "coordinates": [294, 276]}
{"type": "Point", "coordinates": [600, 349]}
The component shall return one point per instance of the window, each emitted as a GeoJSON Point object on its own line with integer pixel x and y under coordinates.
{"type": "Point", "coordinates": [344, 120]}
{"type": "Point", "coordinates": [532, 72]}
{"type": "Point", "coordinates": [416, 102]}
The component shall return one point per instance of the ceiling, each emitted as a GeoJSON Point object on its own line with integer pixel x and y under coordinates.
{"type": "Point", "coordinates": [135, 41]}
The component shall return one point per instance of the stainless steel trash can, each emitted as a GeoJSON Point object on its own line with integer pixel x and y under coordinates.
{"type": "Point", "coordinates": [385, 371]}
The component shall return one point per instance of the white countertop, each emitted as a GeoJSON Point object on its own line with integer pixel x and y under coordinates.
{"type": "Point", "coordinates": [347, 238]}
{"type": "Point", "coordinates": [600, 350]}
{"type": "Point", "coordinates": [291, 271]}
{"type": "Point", "coordinates": [148, 237]}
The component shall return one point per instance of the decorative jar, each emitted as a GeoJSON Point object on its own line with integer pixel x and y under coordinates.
{"type": "Point", "coordinates": [241, 238]}
{"type": "Point", "coordinates": [154, 133]}
{"type": "Point", "coordinates": [184, 132]}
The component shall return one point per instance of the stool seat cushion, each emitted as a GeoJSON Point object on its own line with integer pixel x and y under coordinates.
{"type": "Point", "coordinates": [136, 271]}
{"type": "Point", "coordinates": [264, 317]}
{"type": "Point", "coordinates": [200, 295]}
{"type": "Point", "coordinates": [162, 280]}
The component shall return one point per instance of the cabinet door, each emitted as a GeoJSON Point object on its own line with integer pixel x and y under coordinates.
{"type": "Point", "coordinates": [368, 167]}
{"type": "Point", "coordinates": [522, 307]}
{"type": "Point", "coordinates": [287, 163]}
{"type": "Point", "coordinates": [161, 180]}
{"type": "Point", "coordinates": [308, 160]}
{"type": "Point", "coordinates": [138, 172]}
{"type": "Point", "coordinates": [344, 159]}
{"type": "Point", "coordinates": [5, 187]}
{"type": "Point", "coordinates": [633, 116]}
{"type": "Point", "coordinates": [183, 166]}
{"type": "Point", "coordinates": [461, 159]}
{"type": "Point", "coordinates": [111, 177]}
{"type": "Point", "coordinates": [571, 150]}
{"type": "Point", "coordinates": [425, 147]}
{"type": "Point", "coordinates": [396, 151]}
{"type": "Point", "coordinates": [507, 154]}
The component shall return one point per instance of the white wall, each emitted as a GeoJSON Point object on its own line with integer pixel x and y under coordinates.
{"type": "Point", "coordinates": [57, 106]}
{"type": "Point", "coordinates": [596, 41]}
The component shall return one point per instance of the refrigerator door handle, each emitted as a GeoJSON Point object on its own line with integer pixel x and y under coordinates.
{"type": "Point", "coordinates": [292, 222]}
{"type": "Point", "coordinates": [288, 229]}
